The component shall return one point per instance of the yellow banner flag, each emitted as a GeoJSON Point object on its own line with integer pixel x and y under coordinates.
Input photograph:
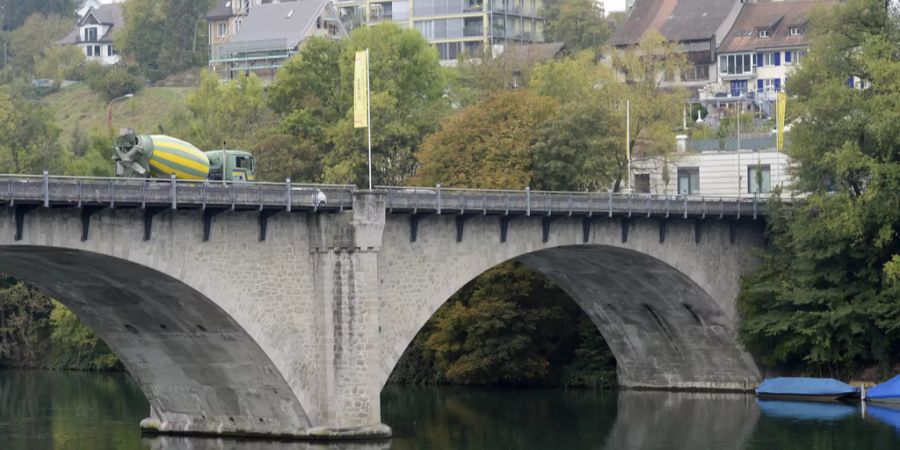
{"type": "Point", "coordinates": [782, 107]}
{"type": "Point", "coordinates": [361, 90]}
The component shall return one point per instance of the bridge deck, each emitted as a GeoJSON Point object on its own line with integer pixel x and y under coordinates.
{"type": "Point", "coordinates": [55, 191]}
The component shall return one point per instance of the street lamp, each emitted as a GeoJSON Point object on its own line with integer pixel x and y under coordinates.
{"type": "Point", "coordinates": [109, 110]}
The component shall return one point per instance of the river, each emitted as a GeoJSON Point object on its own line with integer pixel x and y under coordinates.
{"type": "Point", "coordinates": [77, 410]}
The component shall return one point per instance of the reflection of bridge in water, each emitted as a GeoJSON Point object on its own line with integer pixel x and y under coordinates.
{"type": "Point", "coordinates": [250, 308]}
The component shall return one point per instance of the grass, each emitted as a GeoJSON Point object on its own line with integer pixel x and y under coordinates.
{"type": "Point", "coordinates": [79, 108]}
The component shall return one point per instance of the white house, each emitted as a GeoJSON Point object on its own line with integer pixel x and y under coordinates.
{"type": "Point", "coordinates": [767, 41]}
{"type": "Point", "coordinates": [88, 5]}
{"type": "Point", "coordinates": [756, 170]}
{"type": "Point", "coordinates": [94, 33]}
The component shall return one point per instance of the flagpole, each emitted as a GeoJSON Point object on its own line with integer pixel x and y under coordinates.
{"type": "Point", "coordinates": [369, 117]}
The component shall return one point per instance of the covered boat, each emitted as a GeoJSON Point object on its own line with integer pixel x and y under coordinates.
{"type": "Point", "coordinates": [887, 392]}
{"type": "Point", "coordinates": [887, 415]}
{"type": "Point", "coordinates": [805, 388]}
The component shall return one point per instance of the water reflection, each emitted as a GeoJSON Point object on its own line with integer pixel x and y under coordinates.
{"type": "Point", "coordinates": [806, 410]}
{"type": "Point", "coordinates": [678, 420]}
{"type": "Point", "coordinates": [70, 410]}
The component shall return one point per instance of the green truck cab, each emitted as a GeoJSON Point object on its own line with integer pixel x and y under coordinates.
{"type": "Point", "coordinates": [231, 165]}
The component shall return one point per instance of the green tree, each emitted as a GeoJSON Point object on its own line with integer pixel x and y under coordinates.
{"type": "Point", "coordinates": [75, 346]}
{"type": "Point", "coordinates": [28, 43]}
{"type": "Point", "coordinates": [60, 62]}
{"type": "Point", "coordinates": [28, 136]}
{"type": "Point", "coordinates": [13, 13]}
{"type": "Point", "coordinates": [486, 145]}
{"type": "Point", "coordinates": [95, 159]}
{"type": "Point", "coordinates": [823, 298]}
{"type": "Point", "coordinates": [24, 324]}
{"type": "Point", "coordinates": [225, 113]}
{"type": "Point", "coordinates": [164, 36]}
{"type": "Point", "coordinates": [580, 24]}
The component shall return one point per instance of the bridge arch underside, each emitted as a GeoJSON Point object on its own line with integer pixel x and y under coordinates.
{"type": "Point", "coordinates": [665, 330]}
{"type": "Point", "coordinates": [199, 369]}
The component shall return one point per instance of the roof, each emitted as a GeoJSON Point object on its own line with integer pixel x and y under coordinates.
{"type": "Point", "coordinates": [221, 10]}
{"type": "Point", "coordinates": [777, 17]}
{"type": "Point", "coordinates": [110, 14]}
{"type": "Point", "coordinates": [288, 20]}
{"type": "Point", "coordinates": [523, 55]}
{"type": "Point", "coordinates": [677, 20]}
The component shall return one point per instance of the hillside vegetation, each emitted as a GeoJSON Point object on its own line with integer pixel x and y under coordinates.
{"type": "Point", "coordinates": [79, 110]}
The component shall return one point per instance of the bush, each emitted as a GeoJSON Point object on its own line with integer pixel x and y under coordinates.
{"type": "Point", "coordinates": [112, 82]}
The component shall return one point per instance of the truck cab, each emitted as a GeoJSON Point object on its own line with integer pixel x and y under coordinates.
{"type": "Point", "coordinates": [231, 165]}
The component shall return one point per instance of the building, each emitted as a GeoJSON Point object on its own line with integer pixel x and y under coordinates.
{"type": "Point", "coordinates": [94, 31]}
{"type": "Point", "coordinates": [715, 169]}
{"type": "Point", "coordinates": [250, 37]}
{"type": "Point", "coordinates": [697, 25]}
{"type": "Point", "coordinates": [767, 41]}
{"type": "Point", "coordinates": [87, 5]}
{"type": "Point", "coordinates": [456, 27]}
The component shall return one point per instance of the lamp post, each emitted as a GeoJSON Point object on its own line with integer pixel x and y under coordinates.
{"type": "Point", "coordinates": [109, 110]}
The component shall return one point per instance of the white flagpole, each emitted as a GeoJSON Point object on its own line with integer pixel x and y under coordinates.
{"type": "Point", "coordinates": [369, 116]}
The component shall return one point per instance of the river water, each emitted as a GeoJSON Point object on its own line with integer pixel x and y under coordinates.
{"type": "Point", "coordinates": [71, 410]}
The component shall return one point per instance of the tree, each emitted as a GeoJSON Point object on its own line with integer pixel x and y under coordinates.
{"type": "Point", "coordinates": [164, 36]}
{"type": "Point", "coordinates": [28, 43]}
{"type": "Point", "coordinates": [823, 298]}
{"type": "Point", "coordinates": [28, 136]}
{"type": "Point", "coordinates": [486, 145]}
{"type": "Point", "coordinates": [24, 324]}
{"type": "Point", "coordinates": [13, 13]}
{"type": "Point", "coordinates": [225, 113]}
{"type": "Point", "coordinates": [580, 24]}
{"type": "Point", "coordinates": [314, 101]}
{"type": "Point", "coordinates": [60, 62]}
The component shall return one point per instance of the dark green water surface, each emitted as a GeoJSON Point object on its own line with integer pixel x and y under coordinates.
{"type": "Point", "coordinates": [70, 410]}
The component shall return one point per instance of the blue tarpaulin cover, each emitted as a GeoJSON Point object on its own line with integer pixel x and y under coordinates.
{"type": "Point", "coordinates": [804, 386]}
{"type": "Point", "coordinates": [888, 389]}
{"type": "Point", "coordinates": [805, 410]}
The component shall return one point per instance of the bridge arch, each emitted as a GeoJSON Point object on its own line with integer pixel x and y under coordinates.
{"type": "Point", "coordinates": [665, 307]}
{"type": "Point", "coordinates": [198, 367]}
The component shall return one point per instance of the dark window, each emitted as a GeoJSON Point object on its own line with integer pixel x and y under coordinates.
{"type": "Point", "coordinates": [688, 180]}
{"type": "Point", "coordinates": [760, 178]}
{"type": "Point", "coordinates": [110, 51]}
{"type": "Point", "coordinates": [642, 183]}
{"type": "Point", "coordinates": [90, 50]}
{"type": "Point", "coordinates": [90, 34]}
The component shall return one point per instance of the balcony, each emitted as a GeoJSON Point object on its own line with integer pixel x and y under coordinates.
{"type": "Point", "coordinates": [473, 30]}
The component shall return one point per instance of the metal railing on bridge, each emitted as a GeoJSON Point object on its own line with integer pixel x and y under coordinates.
{"type": "Point", "coordinates": [439, 200]}
{"type": "Point", "coordinates": [50, 190]}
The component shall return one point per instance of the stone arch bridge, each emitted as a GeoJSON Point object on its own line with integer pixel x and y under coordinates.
{"type": "Point", "coordinates": [251, 309]}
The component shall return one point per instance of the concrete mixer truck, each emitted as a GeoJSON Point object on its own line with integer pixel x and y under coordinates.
{"type": "Point", "coordinates": [162, 156]}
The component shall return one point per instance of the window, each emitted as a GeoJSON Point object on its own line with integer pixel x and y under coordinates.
{"type": "Point", "coordinates": [97, 51]}
{"type": "Point", "coordinates": [688, 180]}
{"type": "Point", "coordinates": [787, 57]}
{"type": "Point", "coordinates": [799, 55]}
{"type": "Point", "coordinates": [244, 162]}
{"type": "Point", "coordinates": [760, 179]}
{"type": "Point", "coordinates": [90, 34]}
{"type": "Point", "coordinates": [763, 33]}
{"type": "Point", "coordinates": [796, 31]}
{"type": "Point", "coordinates": [223, 29]}
{"type": "Point", "coordinates": [736, 64]}
{"type": "Point", "coordinates": [110, 51]}
{"type": "Point", "coordinates": [642, 183]}
{"type": "Point", "coordinates": [90, 50]}
{"type": "Point", "coordinates": [772, 59]}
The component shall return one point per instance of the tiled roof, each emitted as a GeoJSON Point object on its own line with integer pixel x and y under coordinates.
{"type": "Point", "coordinates": [778, 18]}
{"type": "Point", "coordinates": [222, 10]}
{"type": "Point", "coordinates": [523, 55]}
{"type": "Point", "coordinates": [107, 15]}
{"type": "Point", "coordinates": [287, 20]}
{"type": "Point", "coordinates": [677, 20]}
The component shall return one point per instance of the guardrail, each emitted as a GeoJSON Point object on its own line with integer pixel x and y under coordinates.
{"type": "Point", "coordinates": [47, 190]}
{"type": "Point", "coordinates": [527, 202]}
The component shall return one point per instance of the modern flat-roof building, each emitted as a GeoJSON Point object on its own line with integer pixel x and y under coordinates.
{"type": "Point", "coordinates": [454, 26]}
{"type": "Point", "coordinates": [247, 36]}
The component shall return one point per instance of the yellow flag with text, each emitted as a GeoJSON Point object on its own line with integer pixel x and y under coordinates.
{"type": "Point", "coordinates": [361, 90]}
{"type": "Point", "coordinates": [782, 106]}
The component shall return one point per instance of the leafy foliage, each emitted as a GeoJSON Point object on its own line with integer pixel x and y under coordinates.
{"type": "Point", "coordinates": [580, 24]}
{"type": "Point", "coordinates": [75, 346]}
{"type": "Point", "coordinates": [24, 324]}
{"type": "Point", "coordinates": [225, 113]}
{"type": "Point", "coordinates": [824, 298]}
{"type": "Point", "coordinates": [28, 136]}
{"type": "Point", "coordinates": [13, 13]}
{"type": "Point", "coordinates": [38, 35]}
{"type": "Point", "coordinates": [164, 36]}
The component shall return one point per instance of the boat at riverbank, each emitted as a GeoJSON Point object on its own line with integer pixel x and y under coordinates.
{"type": "Point", "coordinates": [887, 392]}
{"type": "Point", "coordinates": [806, 389]}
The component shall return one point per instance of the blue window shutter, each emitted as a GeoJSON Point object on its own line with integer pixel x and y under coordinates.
{"type": "Point", "coordinates": [787, 56]}
{"type": "Point", "coordinates": [777, 56]}
{"type": "Point", "coordinates": [759, 85]}
{"type": "Point", "coordinates": [759, 59]}
{"type": "Point", "coordinates": [777, 84]}
{"type": "Point", "coordinates": [850, 81]}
